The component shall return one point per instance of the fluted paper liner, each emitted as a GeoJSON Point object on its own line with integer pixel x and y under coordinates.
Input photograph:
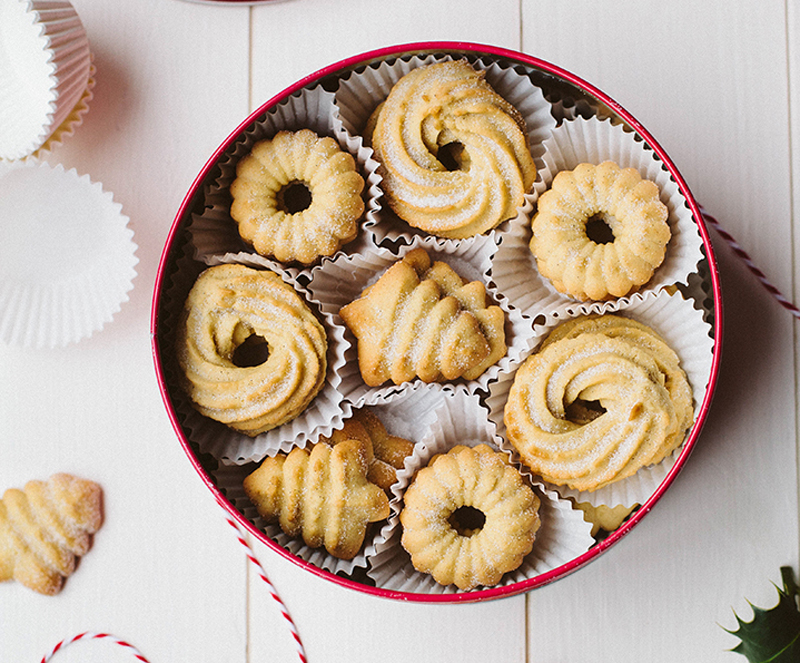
{"type": "Point", "coordinates": [215, 234]}
{"type": "Point", "coordinates": [360, 93]}
{"type": "Point", "coordinates": [227, 445]}
{"type": "Point", "coordinates": [68, 127]}
{"type": "Point", "coordinates": [409, 416]}
{"type": "Point", "coordinates": [45, 69]}
{"type": "Point", "coordinates": [67, 259]}
{"type": "Point", "coordinates": [594, 141]}
{"type": "Point", "coordinates": [341, 281]}
{"type": "Point", "coordinates": [683, 328]}
{"type": "Point", "coordinates": [461, 419]}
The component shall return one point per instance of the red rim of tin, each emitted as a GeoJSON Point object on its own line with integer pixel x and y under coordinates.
{"type": "Point", "coordinates": [475, 50]}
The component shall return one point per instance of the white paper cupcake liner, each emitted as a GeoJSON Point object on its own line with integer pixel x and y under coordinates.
{"type": "Point", "coordinates": [461, 419]}
{"type": "Point", "coordinates": [514, 269]}
{"type": "Point", "coordinates": [339, 282]}
{"type": "Point", "coordinates": [360, 93]}
{"type": "Point", "coordinates": [74, 120]}
{"type": "Point", "coordinates": [409, 417]}
{"type": "Point", "coordinates": [45, 68]}
{"type": "Point", "coordinates": [576, 105]}
{"type": "Point", "coordinates": [67, 257]}
{"type": "Point", "coordinates": [230, 447]}
{"type": "Point", "coordinates": [215, 234]}
{"type": "Point", "coordinates": [684, 329]}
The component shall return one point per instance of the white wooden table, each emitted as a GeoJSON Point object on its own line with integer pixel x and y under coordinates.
{"type": "Point", "coordinates": [716, 83]}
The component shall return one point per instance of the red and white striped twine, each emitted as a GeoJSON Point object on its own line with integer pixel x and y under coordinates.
{"type": "Point", "coordinates": [261, 574]}
{"type": "Point", "coordinates": [711, 220]}
{"type": "Point", "coordinates": [272, 591]}
{"type": "Point", "coordinates": [745, 257]}
{"type": "Point", "coordinates": [89, 635]}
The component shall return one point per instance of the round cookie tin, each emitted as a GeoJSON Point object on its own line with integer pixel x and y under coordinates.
{"type": "Point", "coordinates": [571, 103]}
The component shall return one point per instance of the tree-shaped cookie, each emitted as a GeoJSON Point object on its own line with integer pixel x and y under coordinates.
{"type": "Point", "coordinates": [385, 453]}
{"type": "Point", "coordinates": [44, 527]}
{"type": "Point", "coordinates": [322, 496]}
{"type": "Point", "coordinates": [421, 319]}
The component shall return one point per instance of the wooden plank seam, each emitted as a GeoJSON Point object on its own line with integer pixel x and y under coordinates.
{"type": "Point", "coordinates": [272, 591]}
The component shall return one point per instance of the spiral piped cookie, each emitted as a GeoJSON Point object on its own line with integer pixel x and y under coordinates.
{"type": "Point", "coordinates": [603, 397]}
{"type": "Point", "coordinates": [454, 154]}
{"type": "Point", "coordinates": [297, 197]}
{"type": "Point", "coordinates": [233, 311]}
{"type": "Point", "coordinates": [626, 245]}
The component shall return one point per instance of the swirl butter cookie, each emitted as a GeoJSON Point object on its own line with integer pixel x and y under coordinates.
{"type": "Point", "coordinates": [603, 397]}
{"type": "Point", "coordinates": [454, 154]}
{"type": "Point", "coordinates": [233, 309]}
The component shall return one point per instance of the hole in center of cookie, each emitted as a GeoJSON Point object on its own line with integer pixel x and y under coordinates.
{"type": "Point", "coordinates": [598, 230]}
{"type": "Point", "coordinates": [467, 520]}
{"type": "Point", "coordinates": [254, 351]}
{"type": "Point", "coordinates": [453, 156]}
{"type": "Point", "coordinates": [294, 197]}
{"type": "Point", "coordinates": [582, 412]}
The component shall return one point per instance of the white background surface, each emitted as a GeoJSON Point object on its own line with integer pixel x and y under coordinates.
{"type": "Point", "coordinates": [714, 82]}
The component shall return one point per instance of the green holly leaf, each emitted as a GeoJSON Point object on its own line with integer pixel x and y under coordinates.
{"type": "Point", "coordinates": [773, 636]}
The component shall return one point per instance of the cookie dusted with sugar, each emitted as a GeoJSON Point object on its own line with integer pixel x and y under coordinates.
{"type": "Point", "coordinates": [251, 351]}
{"type": "Point", "coordinates": [602, 398]}
{"type": "Point", "coordinates": [421, 319]}
{"type": "Point", "coordinates": [45, 527]}
{"type": "Point", "coordinates": [469, 518]}
{"type": "Point", "coordinates": [322, 495]}
{"type": "Point", "coordinates": [599, 231]}
{"type": "Point", "coordinates": [386, 453]}
{"type": "Point", "coordinates": [454, 154]}
{"type": "Point", "coordinates": [297, 197]}
{"type": "Point", "coordinates": [605, 518]}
